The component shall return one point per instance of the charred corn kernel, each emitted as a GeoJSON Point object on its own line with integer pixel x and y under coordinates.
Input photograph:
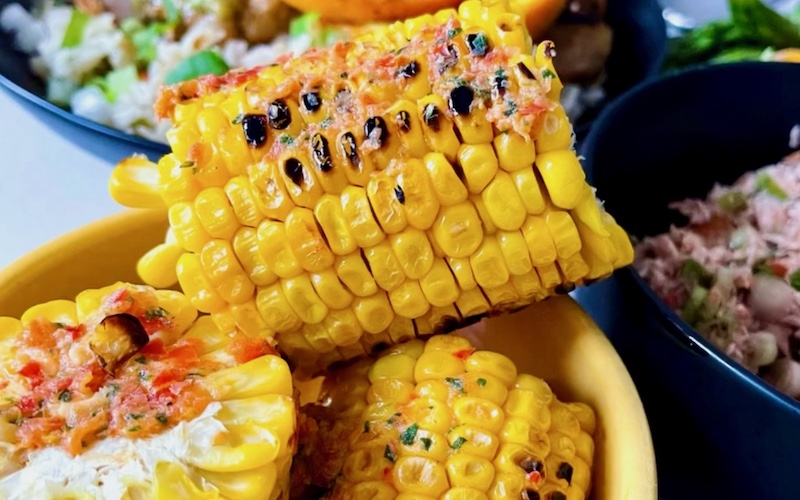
{"type": "Point", "coordinates": [503, 204]}
{"type": "Point", "coordinates": [408, 300]}
{"type": "Point", "coordinates": [376, 342]}
{"type": "Point", "coordinates": [157, 266]}
{"type": "Point", "coordinates": [355, 275]}
{"type": "Point", "coordinates": [488, 264]}
{"type": "Point", "coordinates": [514, 152]}
{"type": "Point", "coordinates": [328, 213]}
{"type": "Point", "coordinates": [240, 196]}
{"type": "Point", "coordinates": [374, 313]}
{"type": "Point", "coordinates": [472, 304]}
{"type": "Point", "coordinates": [187, 227]}
{"type": "Point", "coordinates": [541, 246]}
{"type": "Point", "coordinates": [195, 284]}
{"type": "Point", "coordinates": [458, 230]}
{"type": "Point", "coordinates": [437, 126]}
{"type": "Point", "coordinates": [529, 190]}
{"type": "Point", "coordinates": [276, 310]}
{"type": "Point", "coordinates": [556, 132]}
{"type": "Point", "coordinates": [306, 241]}
{"type": "Point", "coordinates": [269, 191]}
{"type": "Point", "coordinates": [404, 115]}
{"type": "Point", "coordinates": [303, 299]}
{"type": "Point", "coordinates": [225, 273]}
{"type": "Point", "coordinates": [343, 326]}
{"type": "Point", "coordinates": [358, 214]}
{"type": "Point", "coordinates": [384, 265]}
{"type": "Point", "coordinates": [564, 177]}
{"type": "Point", "coordinates": [245, 246]}
{"type": "Point", "coordinates": [479, 164]}
{"type": "Point", "coordinates": [448, 187]}
{"type": "Point", "coordinates": [413, 251]}
{"type": "Point", "coordinates": [439, 285]}
{"type": "Point", "coordinates": [415, 145]}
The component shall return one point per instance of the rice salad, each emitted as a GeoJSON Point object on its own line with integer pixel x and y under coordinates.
{"type": "Point", "coordinates": [109, 68]}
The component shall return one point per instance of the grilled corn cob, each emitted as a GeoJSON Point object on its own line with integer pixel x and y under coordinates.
{"type": "Point", "coordinates": [125, 393]}
{"type": "Point", "coordinates": [439, 419]}
{"type": "Point", "coordinates": [404, 183]}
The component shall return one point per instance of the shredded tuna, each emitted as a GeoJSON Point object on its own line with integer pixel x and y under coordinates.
{"type": "Point", "coordinates": [733, 271]}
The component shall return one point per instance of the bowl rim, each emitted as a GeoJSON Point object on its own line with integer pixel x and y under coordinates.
{"type": "Point", "coordinates": [674, 323]}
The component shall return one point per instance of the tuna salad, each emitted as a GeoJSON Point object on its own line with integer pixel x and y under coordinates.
{"type": "Point", "coordinates": [733, 271]}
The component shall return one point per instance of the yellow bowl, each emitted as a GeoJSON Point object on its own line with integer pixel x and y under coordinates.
{"type": "Point", "coordinates": [555, 340]}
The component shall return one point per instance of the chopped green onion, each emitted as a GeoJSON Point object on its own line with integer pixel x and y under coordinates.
{"type": "Point", "coordinates": [794, 280]}
{"type": "Point", "coordinates": [732, 201]}
{"type": "Point", "coordinates": [767, 184]}
{"type": "Point", "coordinates": [455, 383]}
{"type": "Point", "coordinates": [65, 396]}
{"type": "Point", "coordinates": [695, 274]}
{"type": "Point", "coordinates": [173, 14]}
{"type": "Point", "coordinates": [205, 62]}
{"type": "Point", "coordinates": [119, 81]}
{"type": "Point", "coordinates": [694, 310]}
{"type": "Point", "coordinates": [458, 442]}
{"type": "Point", "coordinates": [481, 382]}
{"type": "Point", "coordinates": [408, 435]}
{"type": "Point", "coordinates": [73, 36]}
{"type": "Point", "coordinates": [303, 24]}
{"type": "Point", "coordinates": [426, 442]}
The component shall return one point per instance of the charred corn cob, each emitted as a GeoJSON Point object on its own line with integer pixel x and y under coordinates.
{"type": "Point", "coordinates": [412, 180]}
{"type": "Point", "coordinates": [125, 393]}
{"type": "Point", "coordinates": [439, 419]}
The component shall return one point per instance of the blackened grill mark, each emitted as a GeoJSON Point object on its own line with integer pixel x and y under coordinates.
{"type": "Point", "coordinates": [500, 84]}
{"type": "Point", "coordinates": [349, 148]}
{"type": "Point", "coordinates": [530, 465]}
{"type": "Point", "coordinates": [461, 99]}
{"type": "Point", "coordinates": [311, 101]}
{"type": "Point", "coordinates": [403, 121]}
{"type": "Point", "coordinates": [531, 495]}
{"type": "Point", "coordinates": [430, 115]}
{"type": "Point", "coordinates": [447, 324]}
{"type": "Point", "coordinates": [255, 130]}
{"type": "Point", "coordinates": [564, 472]}
{"type": "Point", "coordinates": [279, 115]}
{"type": "Point", "coordinates": [525, 70]}
{"type": "Point", "coordinates": [373, 124]}
{"type": "Point", "coordinates": [321, 152]}
{"type": "Point", "coordinates": [400, 194]}
{"type": "Point", "coordinates": [478, 44]}
{"type": "Point", "coordinates": [294, 170]}
{"type": "Point", "coordinates": [409, 70]}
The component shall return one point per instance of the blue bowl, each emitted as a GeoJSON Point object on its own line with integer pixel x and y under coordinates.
{"type": "Point", "coordinates": [719, 431]}
{"type": "Point", "coordinates": [21, 84]}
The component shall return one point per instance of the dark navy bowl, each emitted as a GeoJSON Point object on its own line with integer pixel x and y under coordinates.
{"type": "Point", "coordinates": [105, 142]}
{"type": "Point", "coordinates": [718, 430]}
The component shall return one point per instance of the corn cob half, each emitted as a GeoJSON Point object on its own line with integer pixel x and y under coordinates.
{"type": "Point", "coordinates": [125, 393]}
{"type": "Point", "coordinates": [439, 419]}
{"type": "Point", "coordinates": [403, 183]}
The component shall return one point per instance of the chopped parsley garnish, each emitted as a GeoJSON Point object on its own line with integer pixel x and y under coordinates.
{"type": "Point", "coordinates": [134, 428]}
{"type": "Point", "coordinates": [143, 375]}
{"type": "Point", "coordinates": [187, 164]}
{"type": "Point", "coordinates": [453, 32]}
{"type": "Point", "coordinates": [459, 82]}
{"type": "Point", "coordinates": [732, 201]}
{"type": "Point", "coordinates": [73, 35]}
{"type": "Point", "coordinates": [113, 389]}
{"type": "Point", "coordinates": [546, 73]}
{"type": "Point", "coordinates": [511, 107]}
{"type": "Point", "coordinates": [500, 73]}
{"type": "Point", "coordinates": [326, 123]}
{"type": "Point", "coordinates": [794, 279]}
{"type": "Point", "coordinates": [59, 325]}
{"type": "Point", "coordinates": [141, 360]}
{"type": "Point", "coordinates": [458, 442]}
{"type": "Point", "coordinates": [388, 454]}
{"type": "Point", "coordinates": [455, 383]}
{"type": "Point", "coordinates": [366, 425]}
{"type": "Point", "coordinates": [162, 418]}
{"type": "Point", "coordinates": [426, 442]}
{"type": "Point", "coordinates": [408, 435]}
{"type": "Point", "coordinates": [286, 140]}
{"type": "Point", "coordinates": [478, 44]}
{"type": "Point", "coordinates": [158, 312]}
{"type": "Point", "coordinates": [767, 184]}
{"type": "Point", "coordinates": [133, 416]}
{"type": "Point", "coordinates": [481, 382]}
{"type": "Point", "coordinates": [205, 62]}
{"type": "Point", "coordinates": [65, 396]}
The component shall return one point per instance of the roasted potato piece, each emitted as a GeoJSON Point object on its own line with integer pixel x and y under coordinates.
{"type": "Point", "coordinates": [116, 339]}
{"type": "Point", "coordinates": [364, 11]}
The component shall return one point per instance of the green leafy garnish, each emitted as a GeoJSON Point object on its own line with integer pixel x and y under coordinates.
{"type": "Point", "coordinates": [205, 62]}
{"type": "Point", "coordinates": [73, 36]}
{"type": "Point", "coordinates": [694, 310]}
{"type": "Point", "coordinates": [161, 417]}
{"type": "Point", "coordinates": [134, 416]}
{"type": "Point", "coordinates": [408, 435]}
{"type": "Point", "coordinates": [767, 184]}
{"type": "Point", "coordinates": [141, 360]}
{"type": "Point", "coordinates": [426, 442]}
{"type": "Point", "coordinates": [455, 383]}
{"type": "Point", "coordinates": [134, 428]}
{"type": "Point", "coordinates": [546, 73]}
{"type": "Point", "coordinates": [65, 396]}
{"type": "Point", "coordinates": [694, 274]}
{"type": "Point", "coordinates": [481, 382]}
{"type": "Point", "coordinates": [511, 107]}
{"type": "Point", "coordinates": [116, 82]}
{"type": "Point", "coordinates": [173, 14]}
{"type": "Point", "coordinates": [458, 442]}
{"type": "Point", "coordinates": [732, 201]}
{"type": "Point", "coordinates": [794, 280]}
{"type": "Point", "coordinates": [453, 32]}
{"type": "Point", "coordinates": [157, 312]}
{"type": "Point", "coordinates": [762, 267]}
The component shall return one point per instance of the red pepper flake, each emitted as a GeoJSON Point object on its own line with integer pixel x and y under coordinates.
{"type": "Point", "coordinates": [464, 353]}
{"type": "Point", "coordinates": [534, 477]}
{"type": "Point", "coordinates": [387, 475]}
{"type": "Point", "coordinates": [76, 332]}
{"type": "Point", "coordinates": [778, 269]}
{"type": "Point", "coordinates": [33, 372]}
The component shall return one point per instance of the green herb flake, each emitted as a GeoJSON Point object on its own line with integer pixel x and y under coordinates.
{"type": "Point", "coordinates": [393, 418]}
{"type": "Point", "coordinates": [205, 62]}
{"type": "Point", "coordinates": [408, 435]}
{"type": "Point", "coordinates": [694, 274]}
{"type": "Point", "coordinates": [343, 74]}
{"type": "Point", "coordinates": [458, 442]}
{"type": "Point", "coordinates": [324, 124]}
{"type": "Point", "coordinates": [480, 45]}
{"type": "Point", "coordinates": [238, 120]}
{"type": "Point", "coordinates": [455, 383]}
{"type": "Point", "coordinates": [161, 417]}
{"type": "Point", "coordinates": [453, 32]}
{"type": "Point", "coordinates": [481, 382]}
{"type": "Point", "coordinates": [65, 396]}
{"type": "Point", "coordinates": [500, 73]}
{"type": "Point", "coordinates": [187, 164]}
{"type": "Point", "coordinates": [767, 184]}
{"type": "Point", "coordinates": [133, 416]}
{"type": "Point", "coordinates": [794, 279]}
{"type": "Point", "coordinates": [73, 36]}
{"type": "Point", "coordinates": [143, 375]}
{"type": "Point", "coordinates": [59, 325]}
{"type": "Point", "coordinates": [762, 267]}
{"type": "Point", "coordinates": [732, 201]}
{"type": "Point", "coordinates": [426, 442]}
{"type": "Point", "coordinates": [366, 425]}
{"type": "Point", "coordinates": [173, 13]}
{"type": "Point", "coordinates": [511, 107]}
{"type": "Point", "coordinates": [286, 140]}
{"type": "Point", "coordinates": [9, 399]}
{"type": "Point", "coordinates": [113, 389]}
{"type": "Point", "coordinates": [134, 428]}
{"type": "Point", "coordinates": [158, 312]}
{"type": "Point", "coordinates": [546, 73]}
{"type": "Point", "coordinates": [141, 360]}
{"type": "Point", "coordinates": [388, 454]}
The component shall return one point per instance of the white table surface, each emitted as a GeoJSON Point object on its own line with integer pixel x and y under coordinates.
{"type": "Point", "coordinates": [48, 186]}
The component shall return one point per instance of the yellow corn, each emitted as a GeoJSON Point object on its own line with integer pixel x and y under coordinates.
{"type": "Point", "coordinates": [384, 186]}
{"type": "Point", "coordinates": [438, 419]}
{"type": "Point", "coordinates": [234, 407]}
